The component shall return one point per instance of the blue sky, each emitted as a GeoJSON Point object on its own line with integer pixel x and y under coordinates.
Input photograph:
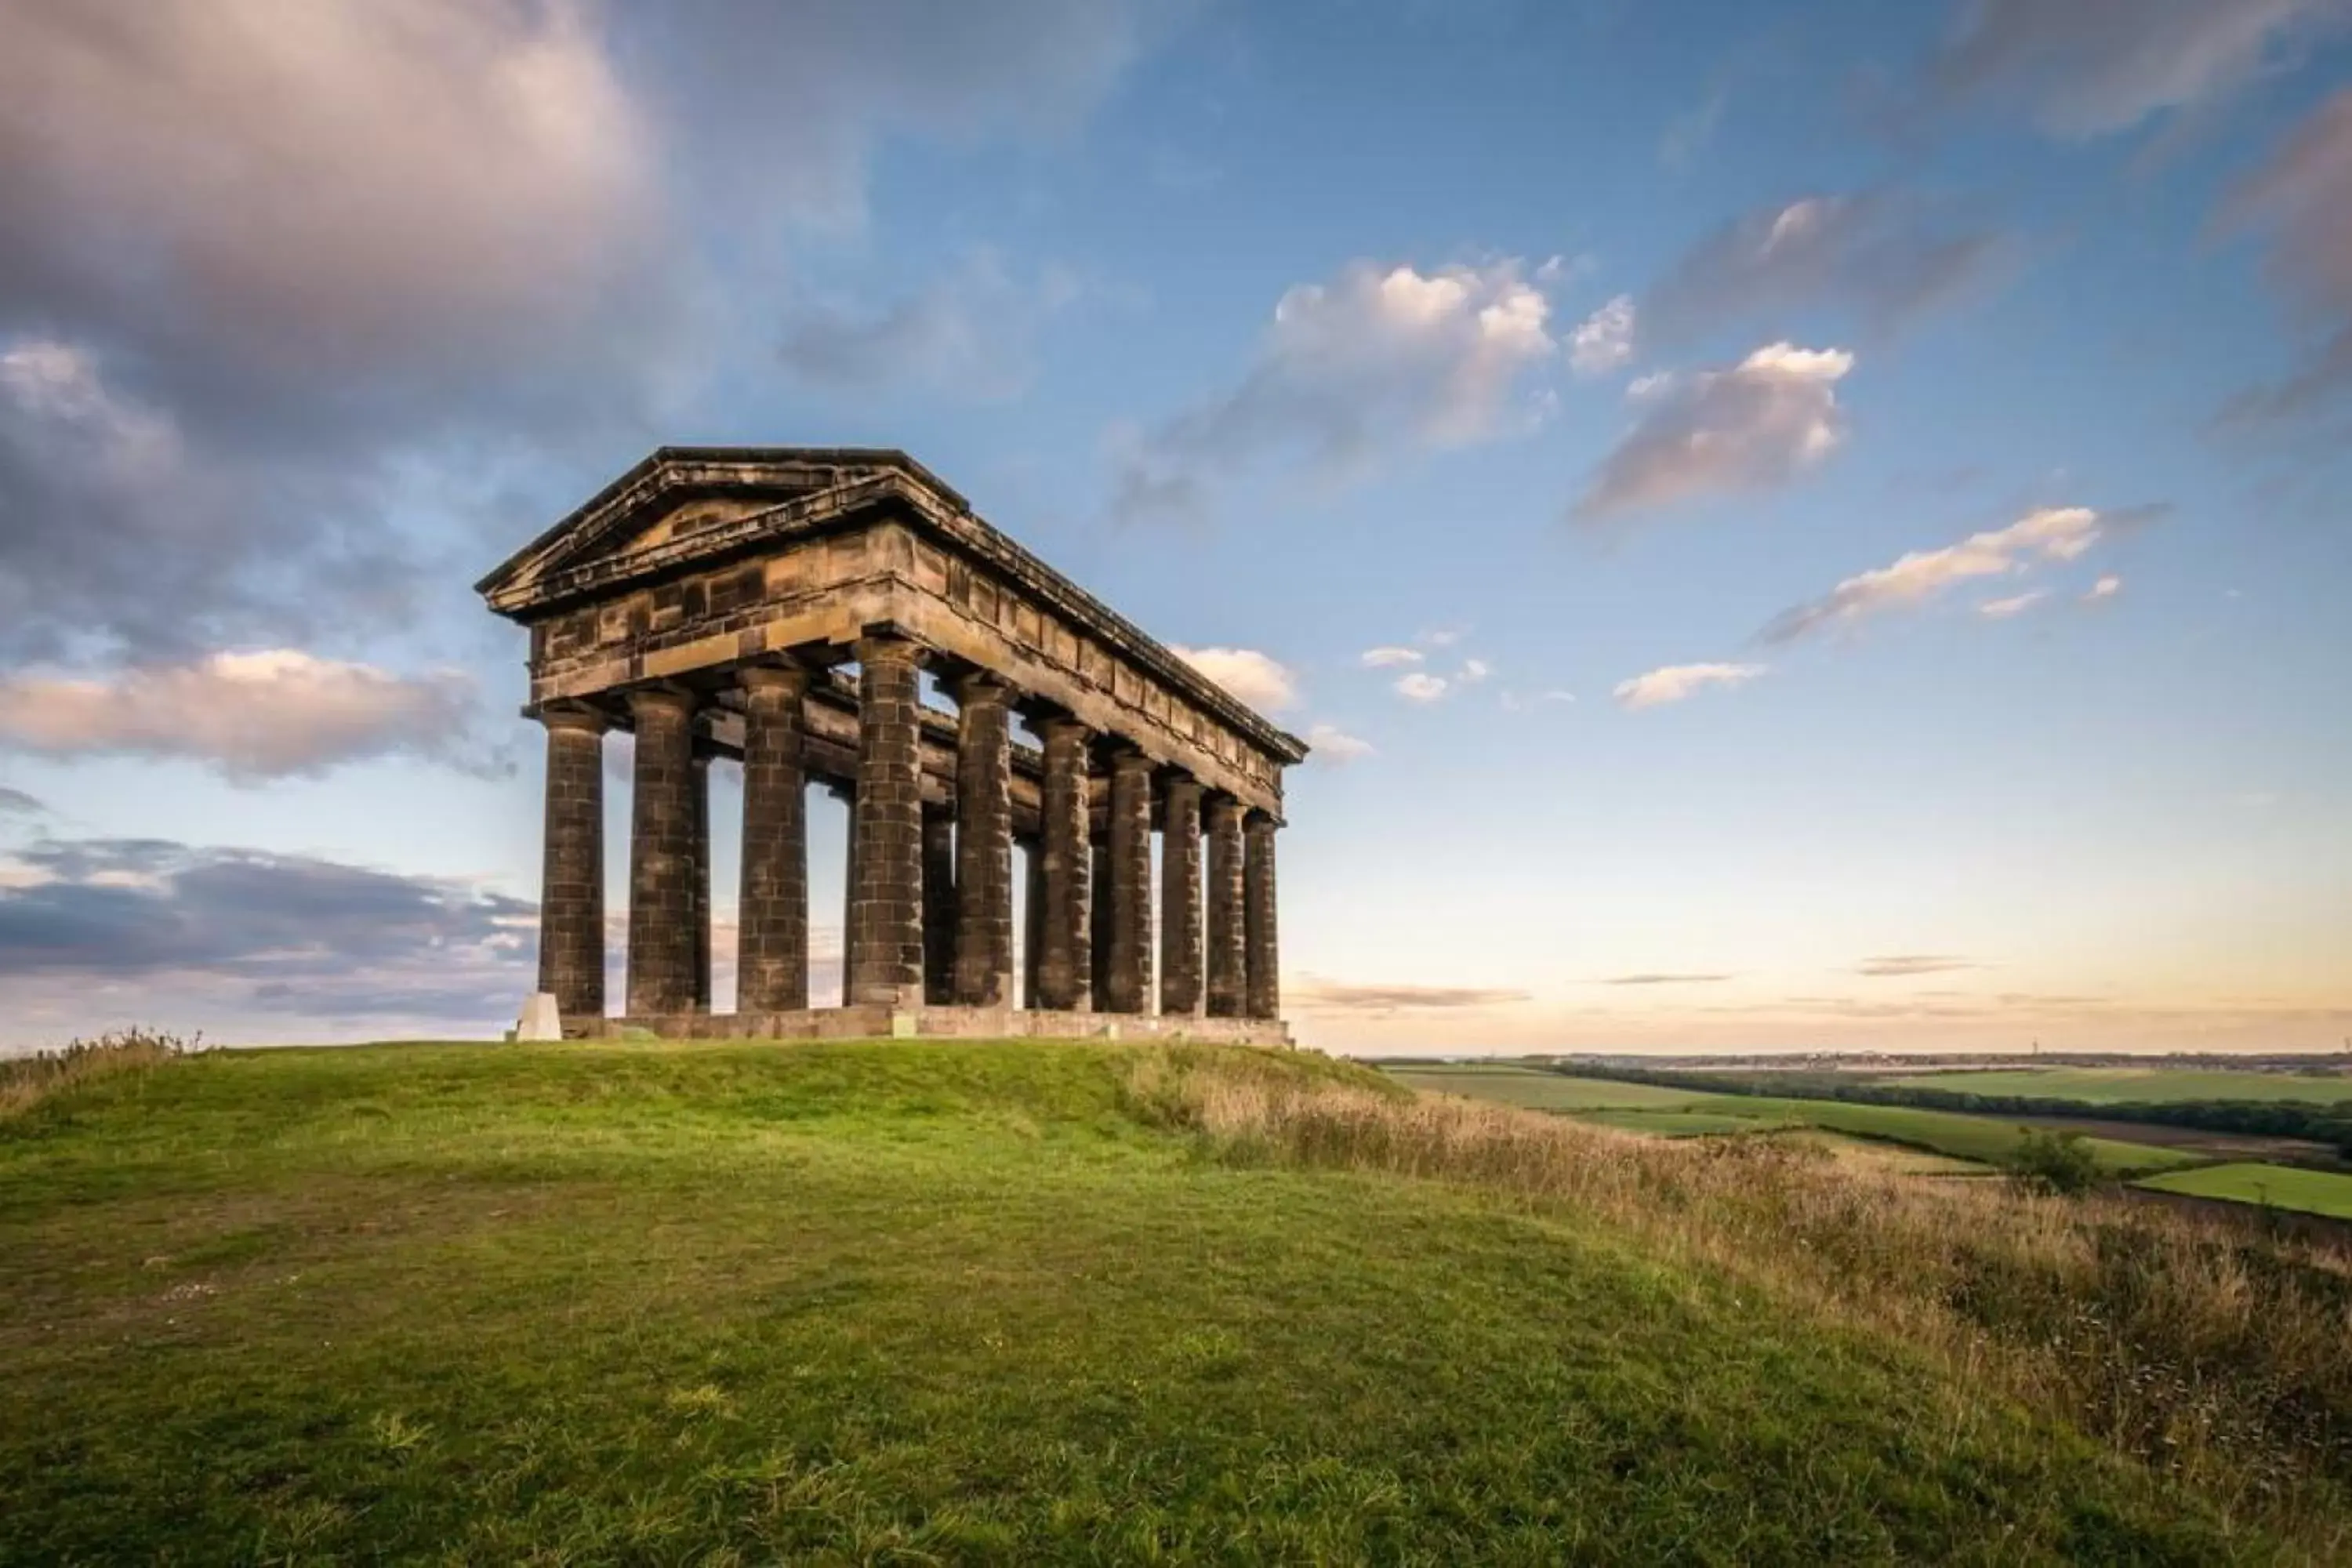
{"type": "Point", "coordinates": [1793, 525]}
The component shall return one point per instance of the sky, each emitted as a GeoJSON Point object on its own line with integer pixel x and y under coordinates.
{"type": "Point", "coordinates": [1812, 525]}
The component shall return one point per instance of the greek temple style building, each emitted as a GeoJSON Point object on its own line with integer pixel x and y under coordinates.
{"type": "Point", "coordinates": [778, 607]}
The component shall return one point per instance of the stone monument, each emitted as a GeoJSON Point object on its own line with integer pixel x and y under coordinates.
{"type": "Point", "coordinates": [713, 601]}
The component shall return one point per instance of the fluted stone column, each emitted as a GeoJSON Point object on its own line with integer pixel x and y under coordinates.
{"type": "Point", "coordinates": [939, 904]}
{"type": "Point", "coordinates": [1033, 918]}
{"type": "Point", "coordinates": [1228, 960]}
{"type": "Point", "coordinates": [771, 943]}
{"type": "Point", "coordinates": [983, 972]}
{"type": "Point", "coordinates": [1064, 927]}
{"type": "Point", "coordinates": [661, 855]}
{"type": "Point", "coordinates": [1264, 999]}
{"type": "Point", "coordinates": [1131, 883]}
{"type": "Point", "coordinates": [887, 951]}
{"type": "Point", "coordinates": [700, 801]}
{"type": "Point", "coordinates": [571, 867]}
{"type": "Point", "coordinates": [1180, 896]}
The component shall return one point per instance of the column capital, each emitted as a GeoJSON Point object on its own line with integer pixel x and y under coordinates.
{"type": "Point", "coordinates": [1179, 781]}
{"type": "Point", "coordinates": [660, 699]}
{"type": "Point", "coordinates": [577, 716]}
{"type": "Point", "coordinates": [887, 647]}
{"type": "Point", "coordinates": [791, 679]}
{"type": "Point", "coordinates": [1061, 726]}
{"type": "Point", "coordinates": [1219, 806]}
{"type": "Point", "coordinates": [1130, 760]}
{"type": "Point", "coordinates": [980, 686]}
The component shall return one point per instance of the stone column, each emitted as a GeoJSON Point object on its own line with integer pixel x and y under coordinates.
{"type": "Point", "coordinates": [887, 949]}
{"type": "Point", "coordinates": [1265, 998]}
{"type": "Point", "coordinates": [1099, 924]}
{"type": "Point", "coordinates": [571, 867]}
{"type": "Point", "coordinates": [771, 943]}
{"type": "Point", "coordinates": [661, 855]}
{"type": "Point", "coordinates": [1064, 927]}
{"type": "Point", "coordinates": [1033, 918]}
{"type": "Point", "coordinates": [938, 905]}
{"type": "Point", "coordinates": [1179, 900]}
{"type": "Point", "coordinates": [983, 970]}
{"type": "Point", "coordinates": [1131, 883]}
{"type": "Point", "coordinates": [700, 807]}
{"type": "Point", "coordinates": [1228, 961]}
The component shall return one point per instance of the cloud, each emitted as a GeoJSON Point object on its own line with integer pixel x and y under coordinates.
{"type": "Point", "coordinates": [969, 334]}
{"type": "Point", "coordinates": [1254, 677]}
{"type": "Point", "coordinates": [2045, 535]}
{"type": "Point", "coordinates": [2081, 69]}
{"type": "Point", "coordinates": [1315, 995]}
{"type": "Point", "coordinates": [2105, 588]}
{"type": "Point", "coordinates": [282, 933]}
{"type": "Point", "coordinates": [1878, 256]}
{"type": "Point", "coordinates": [1603, 341]}
{"type": "Point", "coordinates": [253, 716]}
{"type": "Point", "coordinates": [265, 273]}
{"type": "Point", "coordinates": [1753, 426]}
{"type": "Point", "coordinates": [1420, 686]}
{"type": "Point", "coordinates": [1473, 671]}
{"type": "Point", "coordinates": [1898, 965]}
{"type": "Point", "coordinates": [2015, 605]}
{"type": "Point", "coordinates": [1376, 361]}
{"type": "Point", "coordinates": [1384, 658]}
{"type": "Point", "coordinates": [2301, 197]}
{"type": "Point", "coordinates": [1328, 742]}
{"type": "Point", "coordinates": [16, 803]}
{"type": "Point", "coordinates": [1674, 682]}
{"type": "Point", "coordinates": [1662, 979]}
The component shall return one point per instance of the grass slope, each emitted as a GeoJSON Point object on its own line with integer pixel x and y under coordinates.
{"type": "Point", "coordinates": [2280, 1186]}
{"type": "Point", "coordinates": [911, 1302]}
{"type": "Point", "coordinates": [1538, 1090]}
{"type": "Point", "coordinates": [2121, 1086]}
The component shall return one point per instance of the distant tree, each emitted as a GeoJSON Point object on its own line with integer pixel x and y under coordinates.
{"type": "Point", "coordinates": [2053, 1161]}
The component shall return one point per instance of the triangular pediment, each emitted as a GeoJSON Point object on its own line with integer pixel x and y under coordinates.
{"type": "Point", "coordinates": [661, 507]}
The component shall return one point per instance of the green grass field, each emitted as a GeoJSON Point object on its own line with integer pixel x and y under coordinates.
{"type": "Point", "coordinates": [2118, 1086]}
{"type": "Point", "coordinates": [1537, 1089]}
{"type": "Point", "coordinates": [908, 1302]}
{"type": "Point", "coordinates": [2281, 1186]}
{"type": "Point", "coordinates": [1674, 1112]}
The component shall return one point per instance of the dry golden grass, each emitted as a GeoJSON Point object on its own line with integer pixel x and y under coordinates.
{"type": "Point", "coordinates": [26, 1082]}
{"type": "Point", "coordinates": [2222, 1358]}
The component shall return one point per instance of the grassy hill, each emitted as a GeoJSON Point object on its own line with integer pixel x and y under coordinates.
{"type": "Point", "coordinates": [976, 1302]}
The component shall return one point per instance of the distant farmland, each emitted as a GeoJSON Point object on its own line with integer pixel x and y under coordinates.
{"type": "Point", "coordinates": [2281, 1186]}
{"type": "Point", "coordinates": [2124, 1086]}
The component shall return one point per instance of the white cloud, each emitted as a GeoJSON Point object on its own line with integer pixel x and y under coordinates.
{"type": "Point", "coordinates": [1256, 678]}
{"type": "Point", "coordinates": [2047, 534]}
{"type": "Point", "coordinates": [1386, 657]}
{"type": "Point", "coordinates": [2015, 605]}
{"type": "Point", "coordinates": [1603, 341]}
{"type": "Point", "coordinates": [1351, 371]}
{"type": "Point", "coordinates": [1674, 682]}
{"type": "Point", "coordinates": [1753, 426]}
{"type": "Point", "coordinates": [1443, 637]}
{"type": "Point", "coordinates": [1330, 743]}
{"type": "Point", "coordinates": [253, 716]}
{"type": "Point", "coordinates": [2105, 588]}
{"type": "Point", "coordinates": [971, 333]}
{"type": "Point", "coordinates": [1473, 671]}
{"type": "Point", "coordinates": [2091, 68]}
{"type": "Point", "coordinates": [1420, 686]}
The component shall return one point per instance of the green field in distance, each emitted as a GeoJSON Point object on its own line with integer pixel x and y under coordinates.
{"type": "Point", "coordinates": [1653, 1107]}
{"type": "Point", "coordinates": [2118, 1086]}
{"type": "Point", "coordinates": [2281, 1186]}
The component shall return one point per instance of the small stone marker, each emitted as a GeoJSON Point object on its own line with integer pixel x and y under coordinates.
{"type": "Point", "coordinates": [541, 1021]}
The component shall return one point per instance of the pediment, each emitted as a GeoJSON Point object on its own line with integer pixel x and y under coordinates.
{"type": "Point", "coordinates": [660, 508]}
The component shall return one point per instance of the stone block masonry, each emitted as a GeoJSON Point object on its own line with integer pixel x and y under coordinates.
{"type": "Point", "coordinates": [715, 601]}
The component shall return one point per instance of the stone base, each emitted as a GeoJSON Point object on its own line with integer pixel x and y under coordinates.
{"type": "Point", "coordinates": [867, 1023]}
